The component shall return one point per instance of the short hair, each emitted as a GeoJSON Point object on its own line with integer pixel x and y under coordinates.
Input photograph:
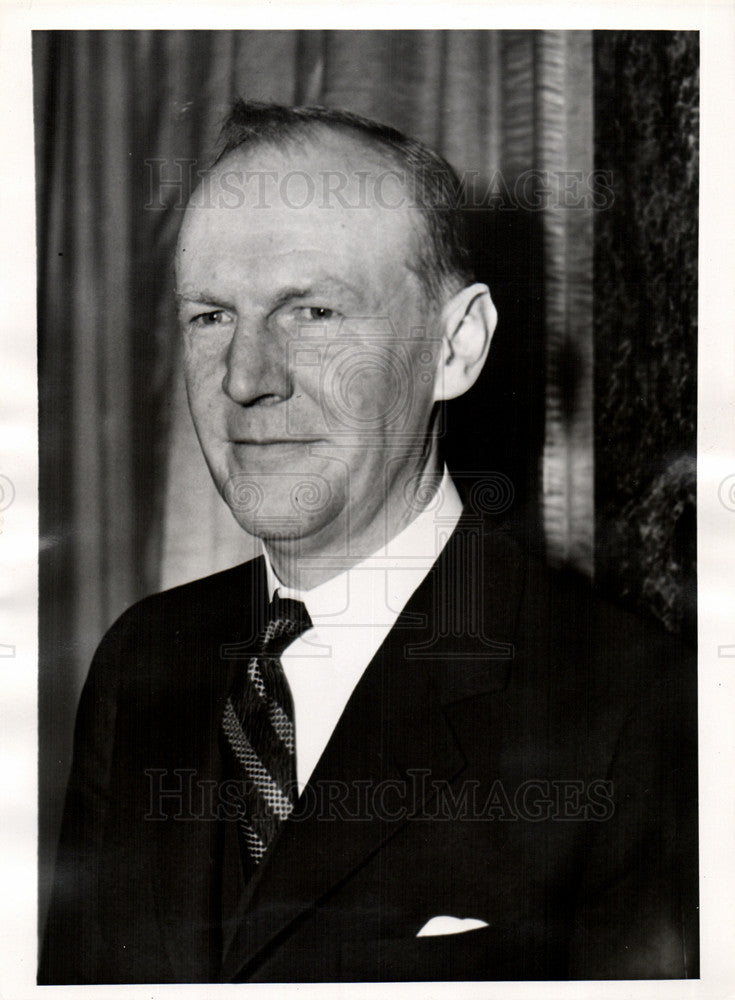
{"type": "Point", "coordinates": [443, 260]}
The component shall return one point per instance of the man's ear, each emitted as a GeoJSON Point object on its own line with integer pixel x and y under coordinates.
{"type": "Point", "coordinates": [467, 325]}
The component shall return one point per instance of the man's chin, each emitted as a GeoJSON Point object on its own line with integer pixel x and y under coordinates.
{"type": "Point", "coordinates": [274, 527]}
{"type": "Point", "coordinates": [283, 503]}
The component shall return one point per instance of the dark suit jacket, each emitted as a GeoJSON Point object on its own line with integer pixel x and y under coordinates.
{"type": "Point", "coordinates": [516, 752]}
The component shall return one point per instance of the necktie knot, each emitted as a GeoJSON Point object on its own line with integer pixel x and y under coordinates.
{"type": "Point", "coordinates": [287, 619]}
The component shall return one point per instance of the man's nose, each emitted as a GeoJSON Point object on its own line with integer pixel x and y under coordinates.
{"type": "Point", "coordinates": [256, 367]}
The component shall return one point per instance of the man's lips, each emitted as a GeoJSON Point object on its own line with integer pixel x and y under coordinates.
{"type": "Point", "coordinates": [268, 442]}
{"type": "Point", "coordinates": [275, 448]}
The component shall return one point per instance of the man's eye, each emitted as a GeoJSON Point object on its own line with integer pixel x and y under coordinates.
{"type": "Point", "coordinates": [316, 314]}
{"type": "Point", "coordinates": [216, 317]}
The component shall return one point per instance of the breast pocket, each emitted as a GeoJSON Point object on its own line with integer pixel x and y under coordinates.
{"type": "Point", "coordinates": [472, 955]}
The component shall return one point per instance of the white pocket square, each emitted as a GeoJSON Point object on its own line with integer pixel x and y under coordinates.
{"type": "Point", "coordinates": [450, 925]}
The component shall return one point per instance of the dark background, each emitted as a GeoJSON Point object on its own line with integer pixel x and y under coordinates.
{"type": "Point", "coordinates": [587, 407]}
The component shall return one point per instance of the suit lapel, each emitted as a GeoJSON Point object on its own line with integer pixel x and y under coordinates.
{"type": "Point", "coordinates": [393, 729]}
{"type": "Point", "coordinates": [210, 652]}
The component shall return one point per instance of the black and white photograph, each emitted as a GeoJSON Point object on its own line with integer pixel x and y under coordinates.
{"type": "Point", "coordinates": [369, 602]}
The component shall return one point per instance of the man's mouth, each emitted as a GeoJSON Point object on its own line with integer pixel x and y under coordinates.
{"type": "Point", "coordinates": [268, 442]}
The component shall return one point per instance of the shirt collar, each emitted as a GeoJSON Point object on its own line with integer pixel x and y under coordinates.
{"type": "Point", "coordinates": [413, 551]}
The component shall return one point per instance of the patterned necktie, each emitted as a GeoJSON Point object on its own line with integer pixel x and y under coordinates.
{"type": "Point", "coordinates": [259, 726]}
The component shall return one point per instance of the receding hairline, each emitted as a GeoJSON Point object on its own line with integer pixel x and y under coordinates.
{"type": "Point", "coordinates": [278, 124]}
{"type": "Point", "coordinates": [295, 136]}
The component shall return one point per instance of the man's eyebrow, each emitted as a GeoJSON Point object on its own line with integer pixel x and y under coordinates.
{"type": "Point", "coordinates": [318, 287]}
{"type": "Point", "coordinates": [282, 296]}
{"type": "Point", "coordinates": [203, 298]}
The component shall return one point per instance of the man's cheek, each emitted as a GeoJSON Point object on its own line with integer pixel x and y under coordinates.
{"type": "Point", "coordinates": [367, 391]}
{"type": "Point", "coordinates": [203, 380]}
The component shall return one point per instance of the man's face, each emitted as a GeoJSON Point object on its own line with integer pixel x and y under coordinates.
{"type": "Point", "coordinates": [309, 355]}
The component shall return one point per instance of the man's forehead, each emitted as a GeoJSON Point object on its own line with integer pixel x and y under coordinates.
{"type": "Point", "coordinates": [329, 172]}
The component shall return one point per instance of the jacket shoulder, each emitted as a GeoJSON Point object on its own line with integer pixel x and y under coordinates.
{"type": "Point", "coordinates": [562, 618]}
{"type": "Point", "coordinates": [187, 605]}
{"type": "Point", "coordinates": [179, 625]}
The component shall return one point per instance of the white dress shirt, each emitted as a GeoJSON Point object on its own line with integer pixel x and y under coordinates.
{"type": "Point", "coordinates": [352, 614]}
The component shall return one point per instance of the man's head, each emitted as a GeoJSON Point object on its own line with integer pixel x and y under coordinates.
{"type": "Point", "coordinates": [326, 307]}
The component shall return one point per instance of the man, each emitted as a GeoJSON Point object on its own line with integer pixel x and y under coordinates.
{"type": "Point", "coordinates": [393, 747]}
